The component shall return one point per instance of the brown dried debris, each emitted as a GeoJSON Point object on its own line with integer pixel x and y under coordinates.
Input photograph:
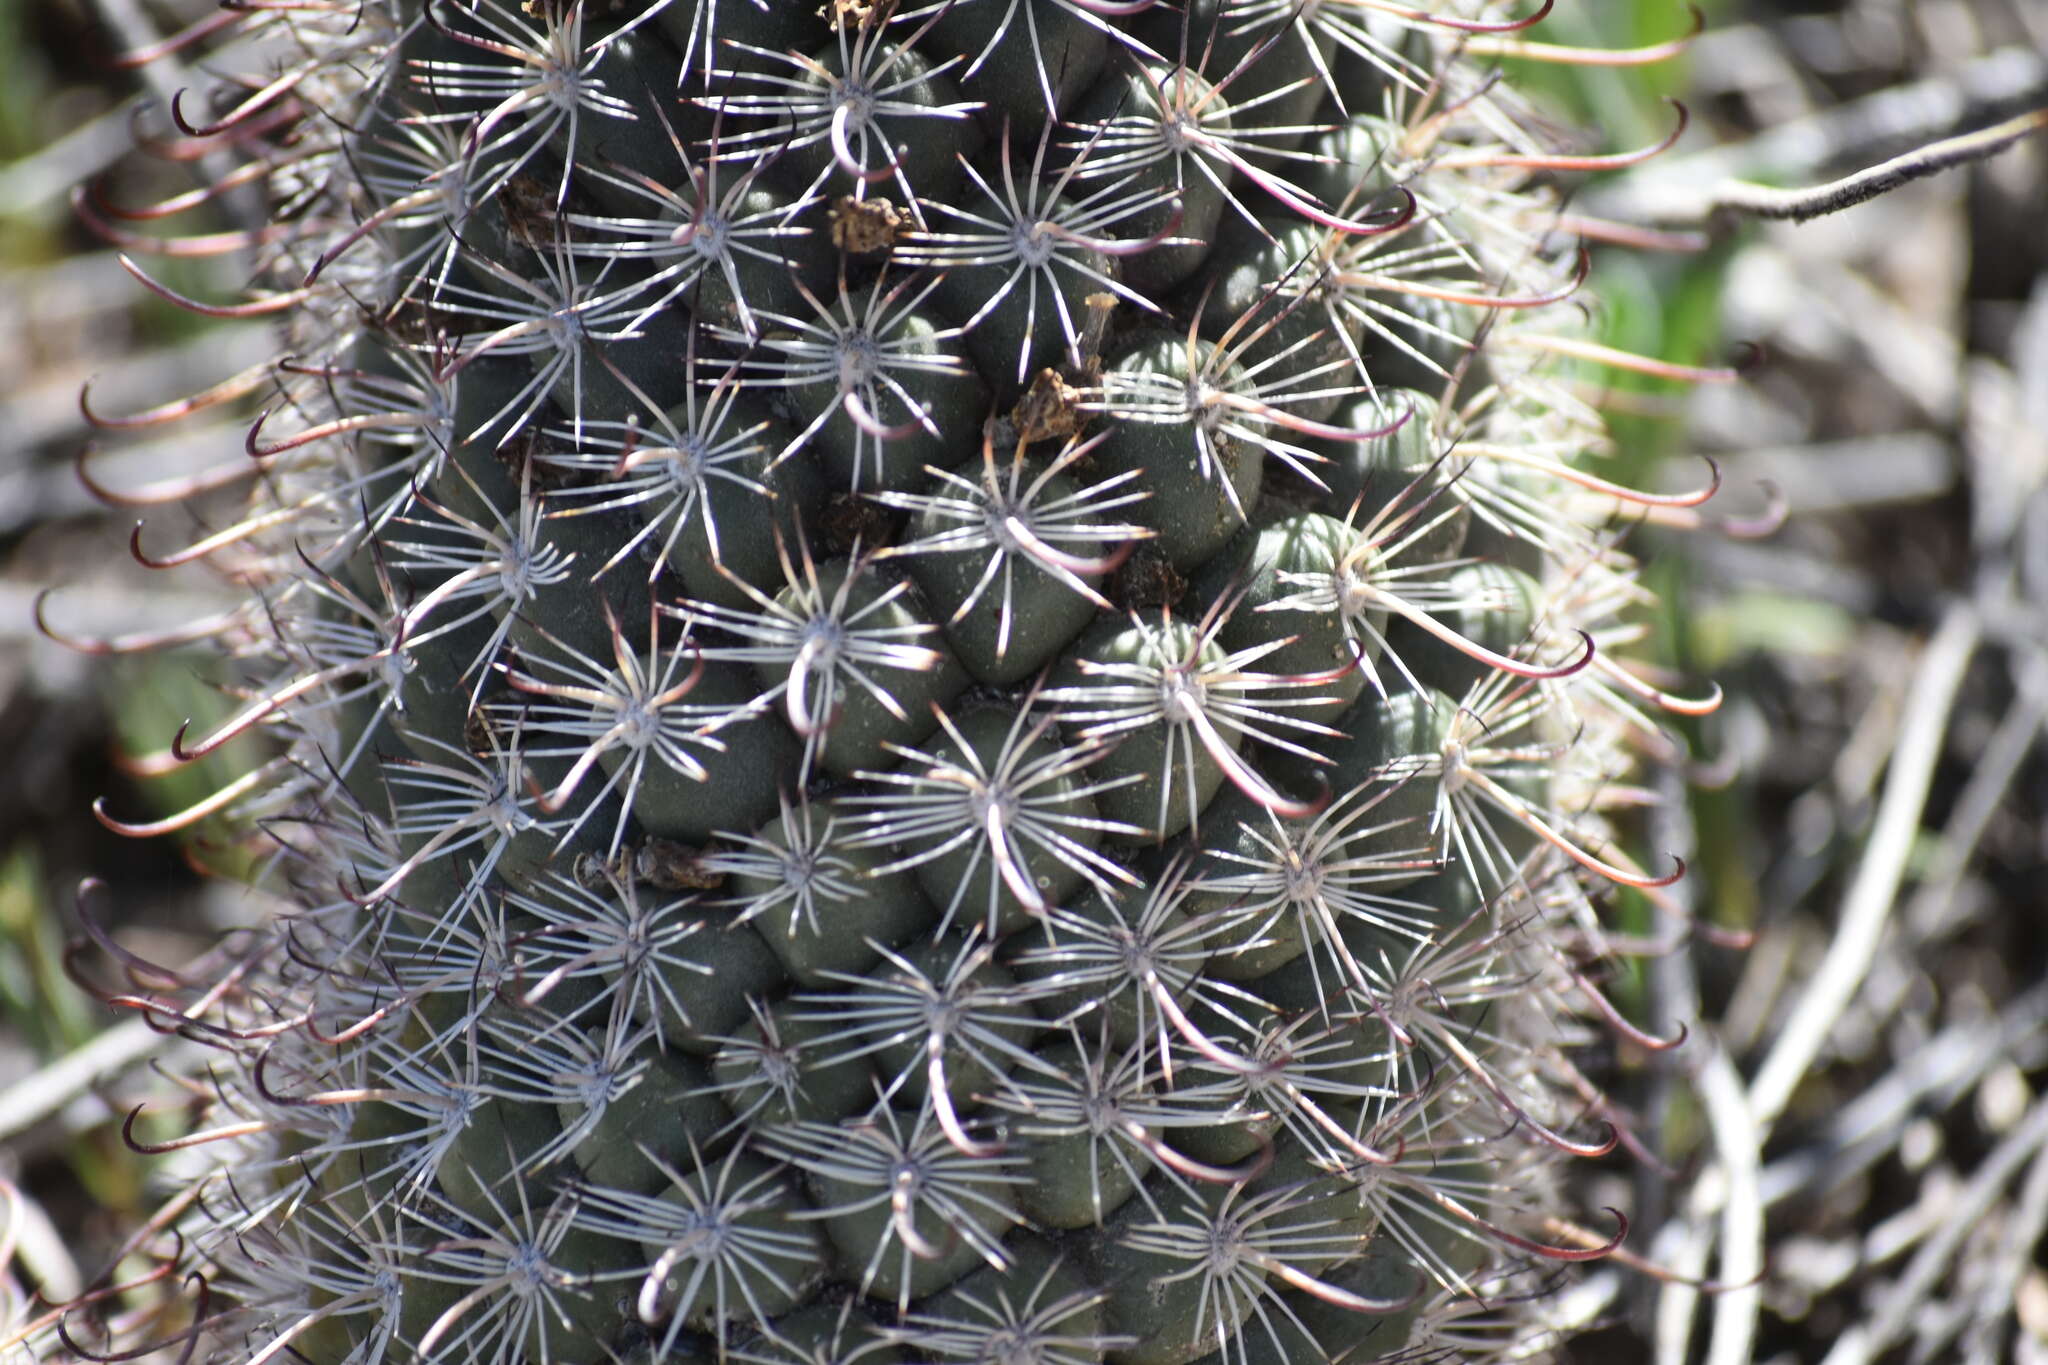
{"type": "Point", "coordinates": [865, 227]}
{"type": "Point", "coordinates": [1048, 411]}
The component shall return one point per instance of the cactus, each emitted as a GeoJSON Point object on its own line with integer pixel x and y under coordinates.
{"type": "Point", "coordinates": [941, 683]}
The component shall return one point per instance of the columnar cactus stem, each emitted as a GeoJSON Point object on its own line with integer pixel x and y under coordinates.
{"type": "Point", "coordinates": [942, 681]}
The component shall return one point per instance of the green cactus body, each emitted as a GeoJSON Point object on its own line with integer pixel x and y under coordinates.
{"type": "Point", "coordinates": [934, 765]}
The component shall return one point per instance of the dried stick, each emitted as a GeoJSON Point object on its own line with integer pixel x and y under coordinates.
{"type": "Point", "coordinates": [1864, 1341]}
{"type": "Point", "coordinates": [1799, 205]}
{"type": "Point", "coordinates": [1738, 1142]}
{"type": "Point", "coordinates": [1869, 902]}
{"type": "Point", "coordinates": [1680, 190]}
{"type": "Point", "coordinates": [2027, 1218]}
{"type": "Point", "coordinates": [37, 1097]}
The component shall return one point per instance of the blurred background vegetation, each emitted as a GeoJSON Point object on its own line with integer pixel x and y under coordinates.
{"type": "Point", "coordinates": [1898, 413]}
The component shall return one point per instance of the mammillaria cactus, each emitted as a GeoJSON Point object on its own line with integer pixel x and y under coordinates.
{"type": "Point", "coordinates": [943, 686]}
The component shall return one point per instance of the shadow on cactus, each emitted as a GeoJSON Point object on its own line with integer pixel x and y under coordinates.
{"type": "Point", "coordinates": [938, 687]}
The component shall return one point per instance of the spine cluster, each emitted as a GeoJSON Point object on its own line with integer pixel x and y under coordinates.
{"type": "Point", "coordinates": [939, 681]}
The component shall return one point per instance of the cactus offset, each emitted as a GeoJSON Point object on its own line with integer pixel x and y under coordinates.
{"type": "Point", "coordinates": [943, 685]}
